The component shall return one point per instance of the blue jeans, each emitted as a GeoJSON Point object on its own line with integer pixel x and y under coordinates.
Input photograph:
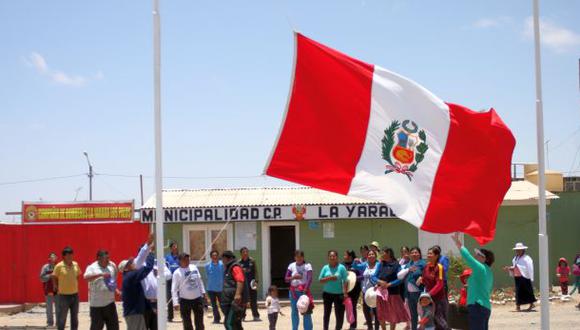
{"type": "Point", "coordinates": [412, 301]}
{"type": "Point", "coordinates": [296, 315]}
{"type": "Point", "coordinates": [50, 302]}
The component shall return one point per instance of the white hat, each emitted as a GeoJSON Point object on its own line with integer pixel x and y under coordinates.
{"type": "Point", "coordinates": [520, 246]}
{"type": "Point", "coordinates": [371, 298]}
{"type": "Point", "coordinates": [351, 280]}
{"type": "Point", "coordinates": [123, 264]}
{"type": "Point", "coordinates": [303, 303]}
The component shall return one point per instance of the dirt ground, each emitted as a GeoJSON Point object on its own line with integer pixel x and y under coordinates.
{"type": "Point", "coordinates": [563, 315]}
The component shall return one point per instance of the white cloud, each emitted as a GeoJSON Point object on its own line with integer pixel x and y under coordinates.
{"type": "Point", "coordinates": [553, 36]}
{"type": "Point", "coordinates": [38, 62]}
{"type": "Point", "coordinates": [486, 23]}
{"type": "Point", "coordinates": [65, 79]}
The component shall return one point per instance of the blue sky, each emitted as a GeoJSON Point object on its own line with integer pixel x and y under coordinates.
{"type": "Point", "coordinates": [77, 75]}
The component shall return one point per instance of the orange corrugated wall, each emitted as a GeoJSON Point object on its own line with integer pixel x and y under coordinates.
{"type": "Point", "coordinates": [24, 250]}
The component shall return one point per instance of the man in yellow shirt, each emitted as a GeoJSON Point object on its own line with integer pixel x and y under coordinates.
{"type": "Point", "coordinates": [66, 279]}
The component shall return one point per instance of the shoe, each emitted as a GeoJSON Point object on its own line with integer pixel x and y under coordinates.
{"type": "Point", "coordinates": [257, 319]}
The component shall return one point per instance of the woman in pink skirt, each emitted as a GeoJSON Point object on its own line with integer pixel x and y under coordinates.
{"type": "Point", "coordinates": [392, 309]}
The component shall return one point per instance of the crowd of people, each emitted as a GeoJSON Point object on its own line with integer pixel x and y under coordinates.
{"type": "Point", "coordinates": [407, 289]}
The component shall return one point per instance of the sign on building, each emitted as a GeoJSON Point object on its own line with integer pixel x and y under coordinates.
{"type": "Point", "coordinates": [271, 213]}
{"type": "Point", "coordinates": [77, 212]}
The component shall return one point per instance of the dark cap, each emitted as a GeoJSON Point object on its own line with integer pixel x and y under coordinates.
{"type": "Point", "coordinates": [182, 256]}
{"type": "Point", "coordinates": [228, 254]}
{"type": "Point", "coordinates": [102, 253]}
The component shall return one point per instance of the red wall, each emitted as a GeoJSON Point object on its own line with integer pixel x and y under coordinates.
{"type": "Point", "coordinates": [24, 250]}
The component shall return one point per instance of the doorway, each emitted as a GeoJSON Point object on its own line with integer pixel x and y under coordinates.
{"type": "Point", "coordinates": [279, 241]}
{"type": "Point", "coordinates": [282, 247]}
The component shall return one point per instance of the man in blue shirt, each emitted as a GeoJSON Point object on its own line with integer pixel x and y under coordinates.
{"type": "Point", "coordinates": [172, 261]}
{"type": "Point", "coordinates": [134, 302]}
{"type": "Point", "coordinates": [215, 282]}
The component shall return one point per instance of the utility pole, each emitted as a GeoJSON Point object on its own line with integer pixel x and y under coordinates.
{"type": "Point", "coordinates": [90, 175]}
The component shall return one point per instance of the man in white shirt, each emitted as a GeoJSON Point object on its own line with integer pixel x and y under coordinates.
{"type": "Point", "coordinates": [101, 276]}
{"type": "Point", "coordinates": [188, 293]}
{"type": "Point", "coordinates": [150, 285]}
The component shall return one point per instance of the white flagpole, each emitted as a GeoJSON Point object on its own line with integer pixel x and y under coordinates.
{"type": "Point", "coordinates": [161, 283]}
{"type": "Point", "coordinates": [543, 234]}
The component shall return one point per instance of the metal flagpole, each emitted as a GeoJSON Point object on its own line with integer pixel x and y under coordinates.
{"type": "Point", "coordinates": [543, 234]}
{"type": "Point", "coordinates": [161, 283]}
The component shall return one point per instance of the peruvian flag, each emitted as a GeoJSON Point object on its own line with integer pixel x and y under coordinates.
{"type": "Point", "coordinates": [357, 129]}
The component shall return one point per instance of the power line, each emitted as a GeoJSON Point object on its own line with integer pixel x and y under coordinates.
{"type": "Point", "coordinates": [182, 177]}
{"type": "Point", "coordinates": [41, 179]}
{"type": "Point", "coordinates": [566, 140]}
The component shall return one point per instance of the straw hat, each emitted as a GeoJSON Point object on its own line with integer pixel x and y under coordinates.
{"type": "Point", "coordinates": [520, 246]}
{"type": "Point", "coordinates": [351, 280]}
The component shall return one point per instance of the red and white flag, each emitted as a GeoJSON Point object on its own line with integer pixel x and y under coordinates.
{"type": "Point", "coordinates": [357, 129]}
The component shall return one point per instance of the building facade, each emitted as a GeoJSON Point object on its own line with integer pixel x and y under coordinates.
{"type": "Point", "coordinates": [273, 222]}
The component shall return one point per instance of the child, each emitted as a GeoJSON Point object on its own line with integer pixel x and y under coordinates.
{"type": "Point", "coordinates": [426, 312]}
{"type": "Point", "coordinates": [576, 272]}
{"type": "Point", "coordinates": [562, 272]}
{"type": "Point", "coordinates": [273, 306]}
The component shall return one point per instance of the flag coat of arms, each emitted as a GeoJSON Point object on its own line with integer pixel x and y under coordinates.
{"type": "Point", "coordinates": [357, 129]}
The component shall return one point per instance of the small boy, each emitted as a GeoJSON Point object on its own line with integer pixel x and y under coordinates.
{"type": "Point", "coordinates": [426, 312]}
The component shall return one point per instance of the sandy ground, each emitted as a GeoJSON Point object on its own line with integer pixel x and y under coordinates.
{"type": "Point", "coordinates": [563, 315]}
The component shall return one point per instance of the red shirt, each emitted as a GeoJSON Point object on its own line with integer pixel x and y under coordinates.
{"type": "Point", "coordinates": [564, 272]}
{"type": "Point", "coordinates": [433, 281]}
{"type": "Point", "coordinates": [238, 274]}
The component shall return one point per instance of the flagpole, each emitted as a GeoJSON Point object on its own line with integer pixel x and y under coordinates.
{"type": "Point", "coordinates": [543, 234]}
{"type": "Point", "coordinates": [161, 283]}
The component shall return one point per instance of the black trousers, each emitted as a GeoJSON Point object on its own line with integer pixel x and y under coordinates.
{"type": "Point", "coordinates": [215, 299]}
{"type": "Point", "coordinates": [150, 316]}
{"type": "Point", "coordinates": [170, 305]}
{"type": "Point", "coordinates": [232, 317]}
{"type": "Point", "coordinates": [253, 303]}
{"type": "Point", "coordinates": [329, 299]}
{"type": "Point", "coordinates": [272, 320]}
{"type": "Point", "coordinates": [371, 317]}
{"type": "Point", "coordinates": [187, 306]}
{"type": "Point", "coordinates": [478, 317]}
{"type": "Point", "coordinates": [106, 315]}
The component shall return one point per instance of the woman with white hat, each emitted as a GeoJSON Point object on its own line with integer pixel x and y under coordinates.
{"type": "Point", "coordinates": [391, 310]}
{"type": "Point", "coordinates": [333, 278]}
{"type": "Point", "coordinates": [522, 270]}
{"type": "Point", "coordinates": [299, 275]}
{"type": "Point", "coordinates": [369, 308]}
{"type": "Point", "coordinates": [354, 285]}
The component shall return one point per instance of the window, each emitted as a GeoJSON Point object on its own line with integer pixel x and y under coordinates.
{"type": "Point", "coordinates": [200, 240]}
